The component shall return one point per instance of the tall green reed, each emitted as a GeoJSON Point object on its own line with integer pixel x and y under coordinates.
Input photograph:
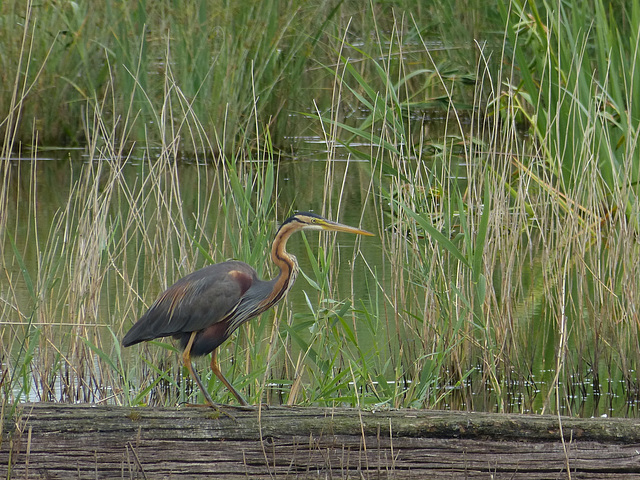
{"type": "Point", "coordinates": [501, 287]}
{"type": "Point", "coordinates": [579, 82]}
{"type": "Point", "coordinates": [579, 86]}
{"type": "Point", "coordinates": [223, 57]}
{"type": "Point", "coordinates": [501, 276]}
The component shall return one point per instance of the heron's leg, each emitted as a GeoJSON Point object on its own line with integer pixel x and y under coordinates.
{"type": "Point", "coordinates": [186, 358]}
{"type": "Point", "coordinates": [216, 370]}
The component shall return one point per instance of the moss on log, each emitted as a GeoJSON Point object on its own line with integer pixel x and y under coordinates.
{"type": "Point", "coordinates": [83, 441]}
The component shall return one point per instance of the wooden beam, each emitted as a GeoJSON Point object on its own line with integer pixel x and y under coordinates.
{"type": "Point", "coordinates": [87, 442]}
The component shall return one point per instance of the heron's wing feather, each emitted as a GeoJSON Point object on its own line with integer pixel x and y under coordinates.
{"type": "Point", "coordinates": [194, 302]}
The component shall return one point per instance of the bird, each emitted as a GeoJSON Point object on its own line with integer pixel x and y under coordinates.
{"type": "Point", "coordinates": [204, 308]}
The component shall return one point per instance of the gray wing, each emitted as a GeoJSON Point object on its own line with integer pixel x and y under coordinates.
{"type": "Point", "coordinates": [194, 302]}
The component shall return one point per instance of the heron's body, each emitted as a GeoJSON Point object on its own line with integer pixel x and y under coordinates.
{"type": "Point", "coordinates": [213, 301]}
{"type": "Point", "coordinates": [204, 308]}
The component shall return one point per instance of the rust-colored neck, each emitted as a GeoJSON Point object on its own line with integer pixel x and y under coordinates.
{"type": "Point", "coordinates": [286, 262]}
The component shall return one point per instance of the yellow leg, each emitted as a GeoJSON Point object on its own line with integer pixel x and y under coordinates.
{"type": "Point", "coordinates": [216, 370]}
{"type": "Point", "coordinates": [186, 358]}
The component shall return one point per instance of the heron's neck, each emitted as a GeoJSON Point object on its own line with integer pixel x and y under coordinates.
{"type": "Point", "coordinates": [287, 264]}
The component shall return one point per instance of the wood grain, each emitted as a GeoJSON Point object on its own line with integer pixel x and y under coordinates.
{"type": "Point", "coordinates": [52, 441]}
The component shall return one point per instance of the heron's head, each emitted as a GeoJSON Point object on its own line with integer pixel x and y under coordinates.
{"type": "Point", "coordinates": [311, 221]}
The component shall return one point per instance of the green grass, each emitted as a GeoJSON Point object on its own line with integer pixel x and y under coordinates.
{"type": "Point", "coordinates": [234, 66]}
{"type": "Point", "coordinates": [504, 275]}
{"type": "Point", "coordinates": [220, 57]}
{"type": "Point", "coordinates": [518, 268]}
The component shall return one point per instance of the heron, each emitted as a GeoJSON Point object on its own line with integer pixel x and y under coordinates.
{"type": "Point", "coordinates": [204, 308]}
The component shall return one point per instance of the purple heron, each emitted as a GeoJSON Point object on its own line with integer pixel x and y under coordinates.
{"type": "Point", "coordinates": [204, 308]}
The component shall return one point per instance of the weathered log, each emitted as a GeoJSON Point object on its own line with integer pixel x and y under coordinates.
{"type": "Point", "coordinates": [81, 441]}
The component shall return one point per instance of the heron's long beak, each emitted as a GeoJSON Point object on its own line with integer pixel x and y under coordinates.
{"type": "Point", "coordinates": [339, 227]}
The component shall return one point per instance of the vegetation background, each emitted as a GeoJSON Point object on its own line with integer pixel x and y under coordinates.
{"type": "Point", "coordinates": [492, 146]}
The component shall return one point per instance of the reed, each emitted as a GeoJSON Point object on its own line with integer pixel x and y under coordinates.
{"type": "Point", "coordinates": [502, 278]}
{"type": "Point", "coordinates": [231, 61]}
{"type": "Point", "coordinates": [505, 275]}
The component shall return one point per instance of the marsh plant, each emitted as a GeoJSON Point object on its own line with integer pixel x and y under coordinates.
{"type": "Point", "coordinates": [505, 274]}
